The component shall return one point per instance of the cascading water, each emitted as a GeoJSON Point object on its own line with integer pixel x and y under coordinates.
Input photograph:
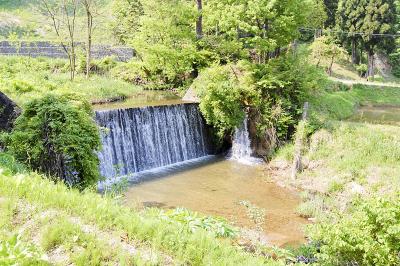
{"type": "Point", "coordinates": [241, 145]}
{"type": "Point", "coordinates": [139, 139]}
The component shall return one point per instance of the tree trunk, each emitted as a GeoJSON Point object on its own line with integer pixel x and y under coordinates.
{"type": "Point", "coordinates": [371, 64]}
{"type": "Point", "coordinates": [299, 143]}
{"type": "Point", "coordinates": [331, 66]}
{"type": "Point", "coordinates": [199, 22]}
{"type": "Point", "coordinates": [89, 42]}
{"type": "Point", "coordinates": [354, 58]}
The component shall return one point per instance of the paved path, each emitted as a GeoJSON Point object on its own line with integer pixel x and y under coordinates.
{"type": "Point", "coordinates": [354, 82]}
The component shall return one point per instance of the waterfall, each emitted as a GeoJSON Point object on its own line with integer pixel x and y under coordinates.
{"type": "Point", "coordinates": [241, 145]}
{"type": "Point", "coordinates": [140, 139]}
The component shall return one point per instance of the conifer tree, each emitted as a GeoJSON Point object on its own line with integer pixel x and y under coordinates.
{"type": "Point", "coordinates": [349, 20]}
{"type": "Point", "coordinates": [380, 18]}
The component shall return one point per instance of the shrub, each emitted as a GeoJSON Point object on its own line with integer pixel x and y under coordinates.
{"type": "Point", "coordinates": [370, 235]}
{"type": "Point", "coordinates": [224, 90]}
{"type": "Point", "coordinates": [57, 136]}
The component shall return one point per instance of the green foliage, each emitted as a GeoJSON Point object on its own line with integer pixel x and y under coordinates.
{"type": "Point", "coordinates": [276, 91]}
{"type": "Point", "coordinates": [24, 79]}
{"type": "Point", "coordinates": [326, 52]}
{"type": "Point", "coordinates": [224, 91]}
{"type": "Point", "coordinates": [284, 85]}
{"type": "Point", "coordinates": [370, 235]}
{"type": "Point", "coordinates": [261, 25]}
{"type": "Point", "coordinates": [58, 233]}
{"type": "Point", "coordinates": [198, 248]}
{"type": "Point", "coordinates": [165, 43]}
{"type": "Point", "coordinates": [362, 69]}
{"type": "Point", "coordinates": [8, 163]}
{"type": "Point", "coordinates": [126, 21]}
{"type": "Point", "coordinates": [57, 135]}
{"type": "Point", "coordinates": [14, 251]}
{"type": "Point", "coordinates": [192, 222]}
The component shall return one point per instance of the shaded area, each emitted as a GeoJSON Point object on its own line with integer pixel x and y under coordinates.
{"type": "Point", "coordinates": [9, 111]}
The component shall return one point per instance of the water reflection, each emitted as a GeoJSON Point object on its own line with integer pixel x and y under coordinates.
{"type": "Point", "coordinates": [143, 99]}
{"type": "Point", "coordinates": [377, 115]}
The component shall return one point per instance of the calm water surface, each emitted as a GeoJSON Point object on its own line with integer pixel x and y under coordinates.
{"type": "Point", "coordinates": [377, 115]}
{"type": "Point", "coordinates": [216, 188]}
{"type": "Point", "coordinates": [143, 99]}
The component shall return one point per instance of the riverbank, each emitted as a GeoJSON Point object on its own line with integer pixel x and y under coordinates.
{"type": "Point", "coordinates": [55, 224]}
{"type": "Point", "coordinates": [345, 158]}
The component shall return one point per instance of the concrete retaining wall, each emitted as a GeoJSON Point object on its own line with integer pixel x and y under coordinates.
{"type": "Point", "coordinates": [52, 50]}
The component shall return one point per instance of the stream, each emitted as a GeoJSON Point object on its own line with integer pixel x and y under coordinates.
{"type": "Point", "coordinates": [163, 146]}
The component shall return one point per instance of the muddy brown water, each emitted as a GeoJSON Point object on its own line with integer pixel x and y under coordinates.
{"type": "Point", "coordinates": [377, 115]}
{"type": "Point", "coordinates": [216, 188]}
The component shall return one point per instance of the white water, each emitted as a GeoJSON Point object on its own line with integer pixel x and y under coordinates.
{"type": "Point", "coordinates": [241, 146]}
{"type": "Point", "coordinates": [140, 139]}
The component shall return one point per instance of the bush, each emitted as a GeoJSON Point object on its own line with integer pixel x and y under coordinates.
{"type": "Point", "coordinates": [56, 135]}
{"type": "Point", "coordinates": [224, 90]}
{"type": "Point", "coordinates": [370, 235]}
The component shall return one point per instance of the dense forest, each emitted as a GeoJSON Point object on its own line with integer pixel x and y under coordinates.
{"type": "Point", "coordinates": [300, 94]}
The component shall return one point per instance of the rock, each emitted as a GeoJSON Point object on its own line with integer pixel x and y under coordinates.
{"type": "Point", "coordinates": [261, 144]}
{"type": "Point", "coordinates": [357, 188]}
{"type": "Point", "coordinates": [191, 96]}
{"type": "Point", "coordinates": [9, 111]}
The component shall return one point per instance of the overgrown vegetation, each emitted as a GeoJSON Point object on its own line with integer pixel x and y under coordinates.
{"type": "Point", "coordinates": [143, 228]}
{"type": "Point", "coordinates": [24, 79]}
{"type": "Point", "coordinates": [347, 165]}
{"type": "Point", "coordinates": [57, 136]}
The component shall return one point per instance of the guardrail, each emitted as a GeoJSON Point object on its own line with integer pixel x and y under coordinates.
{"type": "Point", "coordinates": [54, 50]}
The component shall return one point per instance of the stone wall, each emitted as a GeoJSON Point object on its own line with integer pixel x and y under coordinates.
{"type": "Point", "coordinates": [52, 50]}
{"type": "Point", "coordinates": [9, 111]}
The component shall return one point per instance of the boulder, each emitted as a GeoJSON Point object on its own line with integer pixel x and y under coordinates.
{"type": "Point", "coordinates": [262, 144]}
{"type": "Point", "coordinates": [9, 111]}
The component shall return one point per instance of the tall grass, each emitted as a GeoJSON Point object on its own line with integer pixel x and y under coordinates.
{"type": "Point", "coordinates": [198, 248]}
{"type": "Point", "coordinates": [25, 78]}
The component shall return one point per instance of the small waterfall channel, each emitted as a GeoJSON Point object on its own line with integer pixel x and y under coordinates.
{"type": "Point", "coordinates": [139, 139]}
{"type": "Point", "coordinates": [241, 145]}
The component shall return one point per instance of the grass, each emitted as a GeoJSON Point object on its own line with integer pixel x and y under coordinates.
{"type": "Point", "coordinates": [22, 19]}
{"type": "Point", "coordinates": [195, 248]}
{"type": "Point", "coordinates": [26, 78]}
{"type": "Point", "coordinates": [344, 159]}
{"type": "Point", "coordinates": [341, 103]}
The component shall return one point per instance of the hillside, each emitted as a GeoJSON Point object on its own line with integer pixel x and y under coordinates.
{"type": "Point", "coordinates": [24, 20]}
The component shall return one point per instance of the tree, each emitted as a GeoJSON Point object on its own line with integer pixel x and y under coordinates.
{"type": "Point", "coordinates": [90, 7]}
{"type": "Point", "coordinates": [62, 15]}
{"type": "Point", "coordinates": [199, 22]}
{"type": "Point", "coordinates": [126, 22]}
{"type": "Point", "coordinates": [380, 18]}
{"type": "Point", "coordinates": [317, 17]}
{"type": "Point", "coordinates": [350, 16]}
{"type": "Point", "coordinates": [165, 42]}
{"type": "Point", "coordinates": [263, 26]}
{"type": "Point", "coordinates": [331, 8]}
{"type": "Point", "coordinates": [325, 51]}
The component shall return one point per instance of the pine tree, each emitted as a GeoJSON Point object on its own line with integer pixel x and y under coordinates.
{"type": "Point", "coordinates": [331, 8]}
{"type": "Point", "coordinates": [349, 20]}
